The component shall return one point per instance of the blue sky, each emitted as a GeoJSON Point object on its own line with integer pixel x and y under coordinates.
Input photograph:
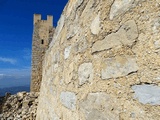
{"type": "Point", "coordinates": [16, 27]}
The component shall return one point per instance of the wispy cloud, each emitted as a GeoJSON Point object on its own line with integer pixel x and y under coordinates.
{"type": "Point", "coordinates": [26, 71]}
{"type": "Point", "coordinates": [9, 60]}
{"type": "Point", "coordinates": [14, 77]}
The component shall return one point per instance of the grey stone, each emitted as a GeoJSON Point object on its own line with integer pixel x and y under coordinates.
{"type": "Point", "coordinates": [97, 107]}
{"type": "Point", "coordinates": [110, 41]}
{"type": "Point", "coordinates": [126, 35]}
{"type": "Point", "coordinates": [85, 73]}
{"type": "Point", "coordinates": [118, 66]}
{"type": "Point", "coordinates": [157, 44]}
{"type": "Point", "coordinates": [67, 52]}
{"type": "Point", "coordinates": [95, 25]}
{"type": "Point", "coordinates": [72, 30]}
{"type": "Point", "coordinates": [130, 29]}
{"type": "Point", "coordinates": [120, 7]}
{"type": "Point", "coordinates": [147, 94]}
{"type": "Point", "coordinates": [21, 95]}
{"type": "Point", "coordinates": [68, 99]}
{"type": "Point", "coordinates": [82, 45]}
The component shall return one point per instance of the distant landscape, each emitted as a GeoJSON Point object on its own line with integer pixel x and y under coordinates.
{"type": "Point", "coordinates": [14, 90]}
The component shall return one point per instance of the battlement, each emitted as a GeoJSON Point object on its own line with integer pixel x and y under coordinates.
{"type": "Point", "coordinates": [38, 18]}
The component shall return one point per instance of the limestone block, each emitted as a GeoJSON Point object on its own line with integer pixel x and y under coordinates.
{"type": "Point", "coordinates": [85, 73]}
{"type": "Point", "coordinates": [67, 52]}
{"type": "Point", "coordinates": [120, 7]}
{"type": "Point", "coordinates": [156, 25]}
{"type": "Point", "coordinates": [68, 99]}
{"type": "Point", "coordinates": [110, 41]}
{"type": "Point", "coordinates": [73, 29]}
{"type": "Point", "coordinates": [81, 45]}
{"type": "Point", "coordinates": [130, 29]}
{"type": "Point", "coordinates": [157, 44]}
{"type": "Point", "coordinates": [126, 35]}
{"type": "Point", "coordinates": [118, 66]}
{"type": "Point", "coordinates": [95, 25]}
{"type": "Point", "coordinates": [147, 94]}
{"type": "Point", "coordinates": [97, 106]}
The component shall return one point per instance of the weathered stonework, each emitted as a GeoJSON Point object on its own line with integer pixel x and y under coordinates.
{"type": "Point", "coordinates": [118, 67]}
{"type": "Point", "coordinates": [126, 35]}
{"type": "Point", "coordinates": [85, 73]}
{"type": "Point", "coordinates": [42, 36]}
{"type": "Point", "coordinates": [147, 94]}
{"type": "Point", "coordinates": [103, 62]}
{"type": "Point", "coordinates": [95, 25]}
{"type": "Point", "coordinates": [68, 99]}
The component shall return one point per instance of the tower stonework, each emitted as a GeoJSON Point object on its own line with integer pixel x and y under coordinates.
{"type": "Point", "coordinates": [42, 36]}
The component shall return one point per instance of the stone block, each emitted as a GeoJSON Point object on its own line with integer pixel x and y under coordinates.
{"type": "Point", "coordinates": [118, 66]}
{"type": "Point", "coordinates": [95, 25]}
{"type": "Point", "coordinates": [147, 94]}
{"type": "Point", "coordinates": [67, 52]}
{"type": "Point", "coordinates": [97, 106]}
{"type": "Point", "coordinates": [126, 35]}
{"type": "Point", "coordinates": [119, 7]}
{"type": "Point", "coordinates": [85, 73]}
{"type": "Point", "coordinates": [81, 45]}
{"type": "Point", "coordinates": [68, 99]}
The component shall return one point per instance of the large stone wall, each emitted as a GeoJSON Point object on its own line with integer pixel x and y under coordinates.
{"type": "Point", "coordinates": [103, 62]}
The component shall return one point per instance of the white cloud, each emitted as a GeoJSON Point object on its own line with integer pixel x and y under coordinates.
{"type": "Point", "coordinates": [15, 77]}
{"type": "Point", "coordinates": [9, 60]}
{"type": "Point", "coordinates": [16, 72]}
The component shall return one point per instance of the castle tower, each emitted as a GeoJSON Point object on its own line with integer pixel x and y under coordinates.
{"type": "Point", "coordinates": [42, 33]}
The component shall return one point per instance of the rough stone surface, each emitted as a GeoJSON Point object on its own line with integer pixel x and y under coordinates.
{"type": "Point", "coordinates": [81, 45]}
{"type": "Point", "coordinates": [118, 66]}
{"type": "Point", "coordinates": [68, 99]}
{"type": "Point", "coordinates": [126, 35]}
{"type": "Point", "coordinates": [147, 94]}
{"type": "Point", "coordinates": [67, 52]}
{"type": "Point", "coordinates": [22, 106]}
{"type": "Point", "coordinates": [157, 44]}
{"type": "Point", "coordinates": [85, 73]}
{"type": "Point", "coordinates": [119, 7]}
{"type": "Point", "coordinates": [124, 50]}
{"type": "Point", "coordinates": [98, 106]}
{"type": "Point", "coordinates": [95, 25]}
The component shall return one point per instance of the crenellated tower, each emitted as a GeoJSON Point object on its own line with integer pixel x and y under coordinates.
{"type": "Point", "coordinates": [42, 36]}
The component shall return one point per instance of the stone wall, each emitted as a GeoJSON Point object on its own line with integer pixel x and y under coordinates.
{"type": "Point", "coordinates": [42, 34]}
{"type": "Point", "coordinates": [103, 62]}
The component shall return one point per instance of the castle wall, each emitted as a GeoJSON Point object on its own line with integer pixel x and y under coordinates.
{"type": "Point", "coordinates": [103, 62]}
{"type": "Point", "coordinates": [43, 30]}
